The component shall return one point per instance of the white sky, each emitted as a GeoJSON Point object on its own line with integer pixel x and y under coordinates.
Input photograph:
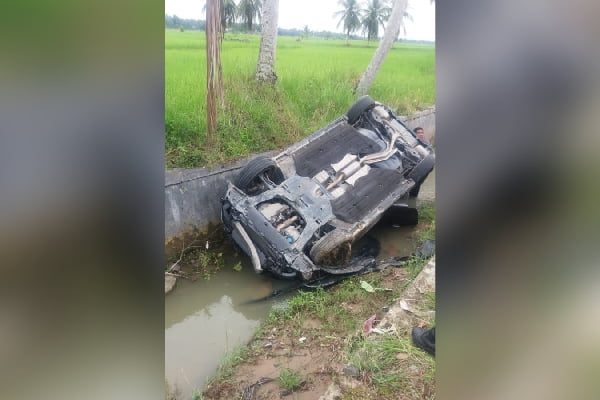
{"type": "Point", "coordinates": [318, 15]}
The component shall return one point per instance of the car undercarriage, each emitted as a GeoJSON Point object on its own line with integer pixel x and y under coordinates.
{"type": "Point", "coordinates": [298, 213]}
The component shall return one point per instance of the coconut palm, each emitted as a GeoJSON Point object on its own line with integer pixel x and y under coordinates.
{"type": "Point", "coordinates": [228, 13]}
{"type": "Point", "coordinates": [391, 33]}
{"type": "Point", "coordinates": [228, 8]}
{"type": "Point", "coordinates": [349, 16]}
{"type": "Point", "coordinates": [377, 13]}
{"type": "Point", "coordinates": [248, 10]}
{"type": "Point", "coordinates": [214, 76]}
{"type": "Point", "coordinates": [265, 67]}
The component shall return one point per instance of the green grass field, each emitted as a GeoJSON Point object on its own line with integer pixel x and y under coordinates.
{"type": "Point", "coordinates": [315, 85]}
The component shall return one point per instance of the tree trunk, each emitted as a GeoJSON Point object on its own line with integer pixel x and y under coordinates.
{"type": "Point", "coordinates": [265, 68]}
{"type": "Point", "coordinates": [214, 79]}
{"type": "Point", "coordinates": [393, 28]}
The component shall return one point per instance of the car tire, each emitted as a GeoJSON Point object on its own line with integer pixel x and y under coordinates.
{"type": "Point", "coordinates": [332, 249]}
{"type": "Point", "coordinates": [257, 166]}
{"type": "Point", "coordinates": [358, 108]}
{"type": "Point", "coordinates": [419, 173]}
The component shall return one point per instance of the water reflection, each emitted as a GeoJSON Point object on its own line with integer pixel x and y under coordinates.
{"type": "Point", "coordinates": [206, 319]}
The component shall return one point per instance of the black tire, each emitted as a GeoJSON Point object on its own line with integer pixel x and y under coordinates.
{"type": "Point", "coordinates": [361, 105]}
{"type": "Point", "coordinates": [422, 169]}
{"type": "Point", "coordinates": [420, 172]}
{"type": "Point", "coordinates": [260, 165]}
{"type": "Point", "coordinates": [332, 249]}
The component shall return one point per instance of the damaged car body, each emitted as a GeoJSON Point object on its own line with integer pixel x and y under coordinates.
{"type": "Point", "coordinates": [300, 212]}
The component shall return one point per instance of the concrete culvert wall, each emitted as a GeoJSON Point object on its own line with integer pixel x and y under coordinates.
{"type": "Point", "coordinates": [193, 195]}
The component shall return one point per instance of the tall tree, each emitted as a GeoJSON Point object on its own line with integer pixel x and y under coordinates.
{"type": "Point", "coordinates": [394, 25]}
{"type": "Point", "coordinates": [377, 13]}
{"type": "Point", "coordinates": [248, 10]}
{"type": "Point", "coordinates": [214, 80]}
{"type": "Point", "coordinates": [349, 16]}
{"type": "Point", "coordinates": [228, 11]}
{"type": "Point", "coordinates": [265, 68]}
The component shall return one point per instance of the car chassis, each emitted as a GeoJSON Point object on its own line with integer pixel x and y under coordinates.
{"type": "Point", "coordinates": [300, 212]}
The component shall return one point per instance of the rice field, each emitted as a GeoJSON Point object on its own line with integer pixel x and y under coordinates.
{"type": "Point", "coordinates": [316, 78]}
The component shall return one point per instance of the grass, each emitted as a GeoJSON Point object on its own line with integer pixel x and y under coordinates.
{"type": "Point", "coordinates": [230, 361]}
{"type": "Point", "coordinates": [394, 364]}
{"type": "Point", "coordinates": [315, 86]}
{"type": "Point", "coordinates": [289, 379]}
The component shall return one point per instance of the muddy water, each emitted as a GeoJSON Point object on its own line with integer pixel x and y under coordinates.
{"type": "Point", "coordinates": [206, 319]}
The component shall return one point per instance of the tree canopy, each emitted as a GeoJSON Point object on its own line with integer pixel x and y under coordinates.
{"type": "Point", "coordinates": [377, 13]}
{"type": "Point", "coordinates": [349, 16]}
{"type": "Point", "coordinates": [249, 11]}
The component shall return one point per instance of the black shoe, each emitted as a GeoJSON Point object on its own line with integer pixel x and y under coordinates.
{"type": "Point", "coordinates": [424, 339]}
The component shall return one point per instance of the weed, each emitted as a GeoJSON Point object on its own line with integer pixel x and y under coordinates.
{"type": "Point", "coordinates": [197, 395]}
{"type": "Point", "coordinates": [429, 302]}
{"type": "Point", "coordinates": [209, 263]}
{"type": "Point", "coordinates": [394, 365]}
{"type": "Point", "coordinates": [315, 86]}
{"type": "Point", "coordinates": [172, 392]}
{"type": "Point", "coordinates": [289, 379]}
{"type": "Point", "coordinates": [230, 361]}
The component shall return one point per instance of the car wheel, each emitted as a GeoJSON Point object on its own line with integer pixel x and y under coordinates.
{"type": "Point", "coordinates": [247, 179]}
{"type": "Point", "coordinates": [419, 173]}
{"type": "Point", "coordinates": [361, 105]}
{"type": "Point", "coordinates": [334, 248]}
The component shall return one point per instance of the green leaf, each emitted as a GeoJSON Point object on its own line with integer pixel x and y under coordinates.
{"type": "Point", "coordinates": [237, 267]}
{"type": "Point", "coordinates": [367, 286]}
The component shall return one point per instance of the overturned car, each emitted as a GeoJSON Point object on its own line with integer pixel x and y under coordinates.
{"type": "Point", "coordinates": [299, 212]}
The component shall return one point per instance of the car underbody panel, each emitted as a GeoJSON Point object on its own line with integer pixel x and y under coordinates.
{"type": "Point", "coordinates": [331, 148]}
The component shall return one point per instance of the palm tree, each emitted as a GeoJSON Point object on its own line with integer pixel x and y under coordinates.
{"type": "Point", "coordinates": [265, 67]}
{"type": "Point", "coordinates": [228, 8]}
{"type": "Point", "coordinates": [407, 16]}
{"type": "Point", "coordinates": [228, 13]}
{"type": "Point", "coordinates": [349, 16]}
{"type": "Point", "coordinates": [391, 33]}
{"type": "Point", "coordinates": [247, 10]}
{"type": "Point", "coordinates": [377, 13]}
{"type": "Point", "coordinates": [214, 75]}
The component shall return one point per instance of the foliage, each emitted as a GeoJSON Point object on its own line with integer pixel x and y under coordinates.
{"type": "Point", "coordinates": [208, 263]}
{"type": "Point", "coordinates": [377, 13]}
{"type": "Point", "coordinates": [197, 395]}
{"type": "Point", "coordinates": [228, 11]}
{"type": "Point", "coordinates": [248, 11]}
{"type": "Point", "coordinates": [289, 379]}
{"type": "Point", "coordinates": [315, 86]}
{"type": "Point", "coordinates": [392, 363]}
{"type": "Point", "coordinates": [230, 361]}
{"type": "Point", "coordinates": [174, 22]}
{"type": "Point", "coordinates": [349, 16]}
